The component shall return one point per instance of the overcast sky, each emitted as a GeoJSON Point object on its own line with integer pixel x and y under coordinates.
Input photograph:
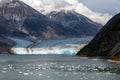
{"type": "Point", "coordinates": [98, 10]}
{"type": "Point", "coordinates": [103, 6]}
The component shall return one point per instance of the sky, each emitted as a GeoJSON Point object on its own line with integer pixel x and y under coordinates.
{"type": "Point", "coordinates": [98, 10]}
{"type": "Point", "coordinates": [103, 6]}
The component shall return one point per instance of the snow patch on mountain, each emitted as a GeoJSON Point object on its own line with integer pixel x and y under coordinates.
{"type": "Point", "coordinates": [46, 6]}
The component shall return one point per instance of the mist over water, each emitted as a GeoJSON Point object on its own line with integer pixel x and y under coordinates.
{"type": "Point", "coordinates": [57, 67]}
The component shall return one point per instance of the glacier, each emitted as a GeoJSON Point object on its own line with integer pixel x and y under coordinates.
{"type": "Point", "coordinates": [67, 46]}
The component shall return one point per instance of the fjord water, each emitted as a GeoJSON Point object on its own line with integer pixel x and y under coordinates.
{"type": "Point", "coordinates": [57, 67]}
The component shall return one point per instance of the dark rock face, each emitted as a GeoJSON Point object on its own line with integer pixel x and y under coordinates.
{"type": "Point", "coordinates": [106, 42]}
{"type": "Point", "coordinates": [5, 45]}
{"type": "Point", "coordinates": [15, 13]}
{"type": "Point", "coordinates": [76, 23]}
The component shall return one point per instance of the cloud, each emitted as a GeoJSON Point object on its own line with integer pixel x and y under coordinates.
{"type": "Point", "coordinates": [110, 6]}
{"type": "Point", "coordinates": [46, 6]}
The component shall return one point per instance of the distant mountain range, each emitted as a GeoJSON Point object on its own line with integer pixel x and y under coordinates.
{"type": "Point", "coordinates": [106, 42]}
{"type": "Point", "coordinates": [76, 24]}
{"type": "Point", "coordinates": [19, 20]}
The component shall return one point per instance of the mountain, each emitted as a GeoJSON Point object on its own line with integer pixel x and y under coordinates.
{"type": "Point", "coordinates": [75, 23]}
{"type": "Point", "coordinates": [16, 15]}
{"type": "Point", "coordinates": [27, 22]}
{"type": "Point", "coordinates": [106, 42]}
{"type": "Point", "coordinates": [19, 20]}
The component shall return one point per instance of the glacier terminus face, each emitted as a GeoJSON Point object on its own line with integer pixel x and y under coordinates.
{"type": "Point", "coordinates": [66, 46]}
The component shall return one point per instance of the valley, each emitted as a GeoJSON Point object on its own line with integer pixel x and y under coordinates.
{"type": "Point", "coordinates": [59, 40]}
{"type": "Point", "coordinates": [27, 28]}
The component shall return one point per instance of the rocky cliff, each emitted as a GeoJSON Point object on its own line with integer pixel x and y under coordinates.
{"type": "Point", "coordinates": [106, 42]}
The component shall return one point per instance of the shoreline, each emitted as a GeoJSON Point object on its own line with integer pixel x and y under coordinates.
{"type": "Point", "coordinates": [114, 61]}
{"type": "Point", "coordinates": [104, 57]}
{"type": "Point", "coordinates": [101, 57]}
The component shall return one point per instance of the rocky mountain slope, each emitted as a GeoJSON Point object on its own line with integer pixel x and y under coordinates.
{"type": "Point", "coordinates": [75, 23]}
{"type": "Point", "coordinates": [17, 15]}
{"type": "Point", "coordinates": [30, 22]}
{"type": "Point", "coordinates": [106, 42]}
{"type": "Point", "coordinates": [19, 20]}
{"type": "Point", "coordinates": [5, 45]}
